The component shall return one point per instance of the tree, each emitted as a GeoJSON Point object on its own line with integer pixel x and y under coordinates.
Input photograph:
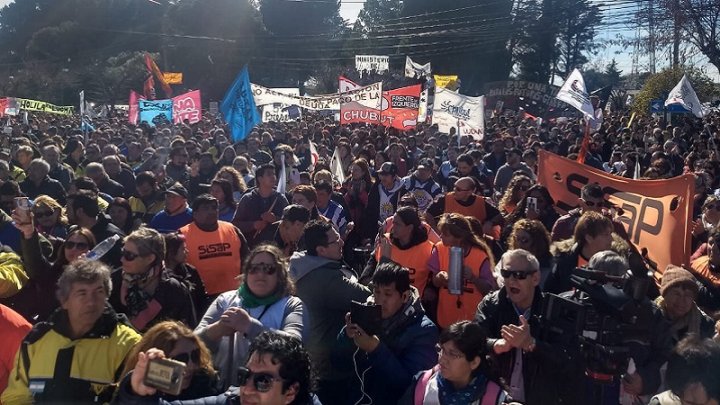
{"type": "Point", "coordinates": [374, 13]}
{"type": "Point", "coordinates": [659, 85]}
{"type": "Point", "coordinates": [578, 19]}
{"type": "Point", "coordinates": [700, 20]}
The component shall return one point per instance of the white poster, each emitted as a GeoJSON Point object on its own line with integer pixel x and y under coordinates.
{"type": "Point", "coordinates": [265, 95]}
{"type": "Point", "coordinates": [372, 63]}
{"type": "Point", "coordinates": [456, 110]}
{"type": "Point", "coordinates": [278, 112]}
{"type": "Point", "coordinates": [416, 70]}
{"type": "Point", "coordinates": [345, 85]}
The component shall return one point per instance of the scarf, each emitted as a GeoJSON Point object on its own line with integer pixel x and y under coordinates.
{"type": "Point", "coordinates": [471, 393]}
{"type": "Point", "coordinates": [137, 298]}
{"type": "Point", "coordinates": [690, 323]}
{"type": "Point", "coordinates": [250, 300]}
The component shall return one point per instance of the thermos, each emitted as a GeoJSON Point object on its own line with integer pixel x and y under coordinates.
{"type": "Point", "coordinates": [455, 271]}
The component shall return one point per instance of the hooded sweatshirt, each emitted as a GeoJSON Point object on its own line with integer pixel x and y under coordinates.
{"type": "Point", "coordinates": [326, 289]}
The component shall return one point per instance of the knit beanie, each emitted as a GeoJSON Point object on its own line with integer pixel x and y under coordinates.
{"type": "Point", "coordinates": [675, 276]}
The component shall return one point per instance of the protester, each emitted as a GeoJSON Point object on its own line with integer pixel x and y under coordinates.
{"type": "Point", "coordinates": [261, 206]}
{"type": "Point", "coordinates": [148, 200]}
{"type": "Point", "coordinates": [519, 185]}
{"type": "Point", "coordinates": [50, 218]}
{"type": "Point", "coordinates": [287, 233]}
{"type": "Point", "coordinates": [86, 323]}
{"type": "Point", "coordinates": [421, 184]}
{"type": "Point", "coordinates": [222, 190]}
{"type": "Point", "coordinates": [264, 301]}
{"type": "Point", "coordinates": [38, 182]}
{"type": "Point", "coordinates": [14, 328]}
{"type": "Point", "coordinates": [177, 212]}
{"type": "Point", "coordinates": [121, 215]}
{"type": "Point", "coordinates": [704, 270]}
{"type": "Point", "coordinates": [83, 210]}
{"type": "Point", "coordinates": [330, 209]}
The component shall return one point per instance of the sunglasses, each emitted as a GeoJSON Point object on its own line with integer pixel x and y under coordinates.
{"type": "Point", "coordinates": [43, 214]}
{"type": "Point", "coordinates": [129, 256]}
{"type": "Point", "coordinates": [265, 268]}
{"type": "Point", "coordinates": [76, 245]}
{"type": "Point", "coordinates": [516, 274]}
{"type": "Point", "coordinates": [262, 382]}
{"type": "Point", "coordinates": [186, 357]}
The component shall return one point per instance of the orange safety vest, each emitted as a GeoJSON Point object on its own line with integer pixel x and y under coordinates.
{"type": "Point", "coordinates": [454, 308]}
{"type": "Point", "coordinates": [414, 259]}
{"type": "Point", "coordinates": [477, 209]}
{"type": "Point", "coordinates": [216, 255]}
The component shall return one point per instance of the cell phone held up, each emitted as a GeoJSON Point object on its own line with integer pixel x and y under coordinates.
{"type": "Point", "coordinates": [532, 204]}
{"type": "Point", "coordinates": [24, 206]}
{"type": "Point", "coordinates": [367, 316]}
{"type": "Point", "coordinates": [165, 375]}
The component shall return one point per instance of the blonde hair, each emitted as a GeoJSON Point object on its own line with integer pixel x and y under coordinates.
{"type": "Point", "coordinates": [49, 202]}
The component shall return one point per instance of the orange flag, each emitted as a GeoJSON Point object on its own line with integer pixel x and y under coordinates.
{"type": "Point", "coordinates": [153, 68]}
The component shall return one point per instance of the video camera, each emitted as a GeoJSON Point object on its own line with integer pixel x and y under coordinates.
{"type": "Point", "coordinates": [607, 318]}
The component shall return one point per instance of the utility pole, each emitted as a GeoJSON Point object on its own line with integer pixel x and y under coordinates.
{"type": "Point", "coordinates": [676, 34]}
{"type": "Point", "coordinates": [651, 19]}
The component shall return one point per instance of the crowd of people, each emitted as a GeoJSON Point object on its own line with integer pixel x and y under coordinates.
{"type": "Point", "coordinates": [254, 289]}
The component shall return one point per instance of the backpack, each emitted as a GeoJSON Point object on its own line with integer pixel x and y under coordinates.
{"type": "Point", "coordinates": [492, 391]}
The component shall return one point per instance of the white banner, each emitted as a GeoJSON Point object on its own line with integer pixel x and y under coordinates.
{"type": "Point", "coordinates": [278, 112]}
{"type": "Point", "coordinates": [265, 95]}
{"type": "Point", "coordinates": [684, 94]}
{"type": "Point", "coordinates": [456, 110]}
{"type": "Point", "coordinates": [574, 93]}
{"type": "Point", "coordinates": [416, 70]}
{"type": "Point", "coordinates": [370, 63]}
{"type": "Point", "coordinates": [365, 105]}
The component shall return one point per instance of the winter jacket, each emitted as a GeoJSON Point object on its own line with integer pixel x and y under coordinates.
{"type": "Point", "coordinates": [326, 289]}
{"type": "Point", "coordinates": [550, 373]}
{"type": "Point", "coordinates": [564, 263]}
{"type": "Point", "coordinates": [64, 370]}
{"type": "Point", "coordinates": [250, 209]}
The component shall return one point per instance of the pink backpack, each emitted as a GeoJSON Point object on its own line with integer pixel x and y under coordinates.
{"type": "Point", "coordinates": [492, 391]}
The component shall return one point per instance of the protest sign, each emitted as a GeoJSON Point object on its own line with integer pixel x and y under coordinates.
{"type": "Point", "coordinates": [155, 112]}
{"type": "Point", "coordinates": [446, 81]}
{"type": "Point", "coordinates": [187, 107]}
{"type": "Point", "coordinates": [277, 111]}
{"type": "Point", "coordinates": [654, 212]}
{"type": "Point", "coordinates": [265, 95]}
{"type": "Point", "coordinates": [133, 111]}
{"type": "Point", "coordinates": [372, 63]}
{"type": "Point", "coordinates": [173, 78]}
{"type": "Point", "coordinates": [400, 107]}
{"type": "Point", "coordinates": [537, 99]}
{"type": "Point", "coordinates": [34, 105]}
{"type": "Point", "coordinates": [452, 110]}
{"type": "Point", "coordinates": [416, 70]}
{"type": "Point", "coordinates": [363, 105]}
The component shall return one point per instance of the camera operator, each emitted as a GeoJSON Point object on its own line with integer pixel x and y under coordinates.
{"type": "Point", "coordinates": [648, 352]}
{"type": "Point", "coordinates": [537, 372]}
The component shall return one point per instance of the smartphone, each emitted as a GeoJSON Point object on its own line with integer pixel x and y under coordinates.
{"type": "Point", "coordinates": [24, 205]}
{"type": "Point", "coordinates": [532, 203]}
{"type": "Point", "coordinates": [166, 375]}
{"type": "Point", "coordinates": [367, 316]}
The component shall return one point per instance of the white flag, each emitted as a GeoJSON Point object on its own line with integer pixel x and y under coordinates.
{"type": "Point", "coordinates": [314, 156]}
{"type": "Point", "coordinates": [574, 93]}
{"type": "Point", "coordinates": [456, 110]}
{"type": "Point", "coordinates": [685, 95]}
{"type": "Point", "coordinates": [416, 70]}
{"type": "Point", "coordinates": [336, 166]}
{"type": "Point", "coordinates": [82, 103]}
{"type": "Point", "coordinates": [282, 179]}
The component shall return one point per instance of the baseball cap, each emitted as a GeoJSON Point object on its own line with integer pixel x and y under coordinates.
{"type": "Point", "coordinates": [388, 168]}
{"type": "Point", "coordinates": [425, 164]}
{"type": "Point", "coordinates": [177, 189]}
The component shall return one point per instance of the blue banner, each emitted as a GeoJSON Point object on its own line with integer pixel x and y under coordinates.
{"type": "Point", "coordinates": [238, 107]}
{"type": "Point", "coordinates": [155, 112]}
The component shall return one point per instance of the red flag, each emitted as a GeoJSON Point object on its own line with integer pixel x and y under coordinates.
{"type": "Point", "coordinates": [400, 107]}
{"type": "Point", "coordinates": [133, 103]}
{"type": "Point", "coordinates": [585, 145]}
{"type": "Point", "coordinates": [155, 70]}
{"type": "Point", "coordinates": [149, 88]}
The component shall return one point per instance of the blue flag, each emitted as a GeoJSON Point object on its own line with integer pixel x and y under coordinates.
{"type": "Point", "coordinates": [238, 107]}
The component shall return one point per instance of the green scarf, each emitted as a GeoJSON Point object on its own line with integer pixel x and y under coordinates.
{"type": "Point", "coordinates": [250, 300]}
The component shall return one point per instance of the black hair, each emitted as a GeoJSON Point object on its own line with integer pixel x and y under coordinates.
{"type": "Point", "coordinates": [316, 235]}
{"type": "Point", "coordinates": [10, 187]}
{"type": "Point", "coordinates": [324, 186]}
{"type": "Point", "coordinates": [466, 158]}
{"type": "Point", "coordinates": [287, 351]}
{"type": "Point", "coordinates": [390, 272]}
{"type": "Point", "coordinates": [226, 187]}
{"type": "Point", "coordinates": [264, 169]}
{"type": "Point", "coordinates": [693, 361]}
{"type": "Point", "coordinates": [146, 178]}
{"type": "Point", "coordinates": [592, 190]}
{"type": "Point", "coordinates": [203, 199]}
{"type": "Point", "coordinates": [470, 339]}
{"type": "Point", "coordinates": [86, 200]}
{"type": "Point", "coordinates": [410, 216]}
{"type": "Point", "coordinates": [86, 183]}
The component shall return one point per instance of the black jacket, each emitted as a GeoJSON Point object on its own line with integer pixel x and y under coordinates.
{"type": "Point", "coordinates": [551, 374]}
{"type": "Point", "coordinates": [563, 265]}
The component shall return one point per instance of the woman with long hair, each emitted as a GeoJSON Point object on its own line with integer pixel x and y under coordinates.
{"type": "Point", "coordinates": [178, 342]}
{"type": "Point", "coordinates": [121, 215]}
{"type": "Point", "coordinates": [357, 189]}
{"type": "Point", "coordinates": [33, 301]}
{"type": "Point", "coordinates": [227, 157]}
{"type": "Point", "coordinates": [463, 374]}
{"type": "Point", "coordinates": [239, 187]}
{"type": "Point", "coordinates": [478, 262]}
{"type": "Point", "coordinates": [530, 235]}
{"type": "Point", "coordinates": [536, 204]}
{"type": "Point", "coordinates": [221, 189]}
{"type": "Point", "coordinates": [265, 300]}
{"type": "Point", "coordinates": [519, 185]}
{"type": "Point", "coordinates": [50, 218]}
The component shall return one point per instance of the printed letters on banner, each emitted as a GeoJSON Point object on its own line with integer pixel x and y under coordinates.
{"type": "Point", "coordinates": [156, 112]}
{"type": "Point", "coordinates": [173, 78]}
{"type": "Point", "coordinates": [416, 70]}
{"type": "Point", "coordinates": [188, 107]}
{"type": "Point", "coordinates": [345, 85]}
{"type": "Point", "coordinates": [277, 111]}
{"type": "Point", "coordinates": [370, 63]}
{"type": "Point", "coordinates": [34, 105]}
{"type": "Point", "coordinates": [446, 81]}
{"type": "Point", "coordinates": [654, 212]}
{"type": "Point", "coordinates": [362, 105]}
{"type": "Point", "coordinates": [574, 93]}
{"type": "Point", "coordinates": [400, 107]}
{"type": "Point", "coordinates": [452, 109]}
{"type": "Point", "coordinates": [265, 95]}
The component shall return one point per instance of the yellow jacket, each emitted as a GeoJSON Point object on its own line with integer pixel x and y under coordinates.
{"type": "Point", "coordinates": [12, 274]}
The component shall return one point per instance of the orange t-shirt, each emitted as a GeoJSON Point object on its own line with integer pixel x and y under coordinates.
{"type": "Point", "coordinates": [454, 308]}
{"type": "Point", "coordinates": [216, 255]}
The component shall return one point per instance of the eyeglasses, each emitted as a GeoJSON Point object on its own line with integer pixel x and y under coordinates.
{"type": "Point", "coordinates": [516, 274]}
{"type": "Point", "coordinates": [129, 256]}
{"type": "Point", "coordinates": [451, 354]}
{"type": "Point", "coordinates": [186, 357]}
{"type": "Point", "coordinates": [43, 214]}
{"type": "Point", "coordinates": [265, 268]}
{"type": "Point", "coordinates": [76, 245]}
{"type": "Point", "coordinates": [262, 382]}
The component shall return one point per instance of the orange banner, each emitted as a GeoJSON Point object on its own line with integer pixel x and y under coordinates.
{"type": "Point", "coordinates": [656, 213]}
{"type": "Point", "coordinates": [173, 78]}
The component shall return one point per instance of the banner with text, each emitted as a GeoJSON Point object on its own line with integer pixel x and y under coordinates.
{"type": "Point", "coordinates": [446, 81]}
{"type": "Point", "coordinates": [364, 105]}
{"type": "Point", "coordinates": [400, 107]}
{"type": "Point", "coordinates": [156, 112]}
{"type": "Point", "coordinates": [416, 70]}
{"type": "Point", "coordinates": [42, 106]}
{"type": "Point", "coordinates": [452, 110]}
{"type": "Point", "coordinates": [265, 95]}
{"type": "Point", "coordinates": [372, 63]}
{"type": "Point", "coordinates": [654, 212]}
{"type": "Point", "coordinates": [187, 107]}
{"type": "Point", "coordinates": [277, 111]}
